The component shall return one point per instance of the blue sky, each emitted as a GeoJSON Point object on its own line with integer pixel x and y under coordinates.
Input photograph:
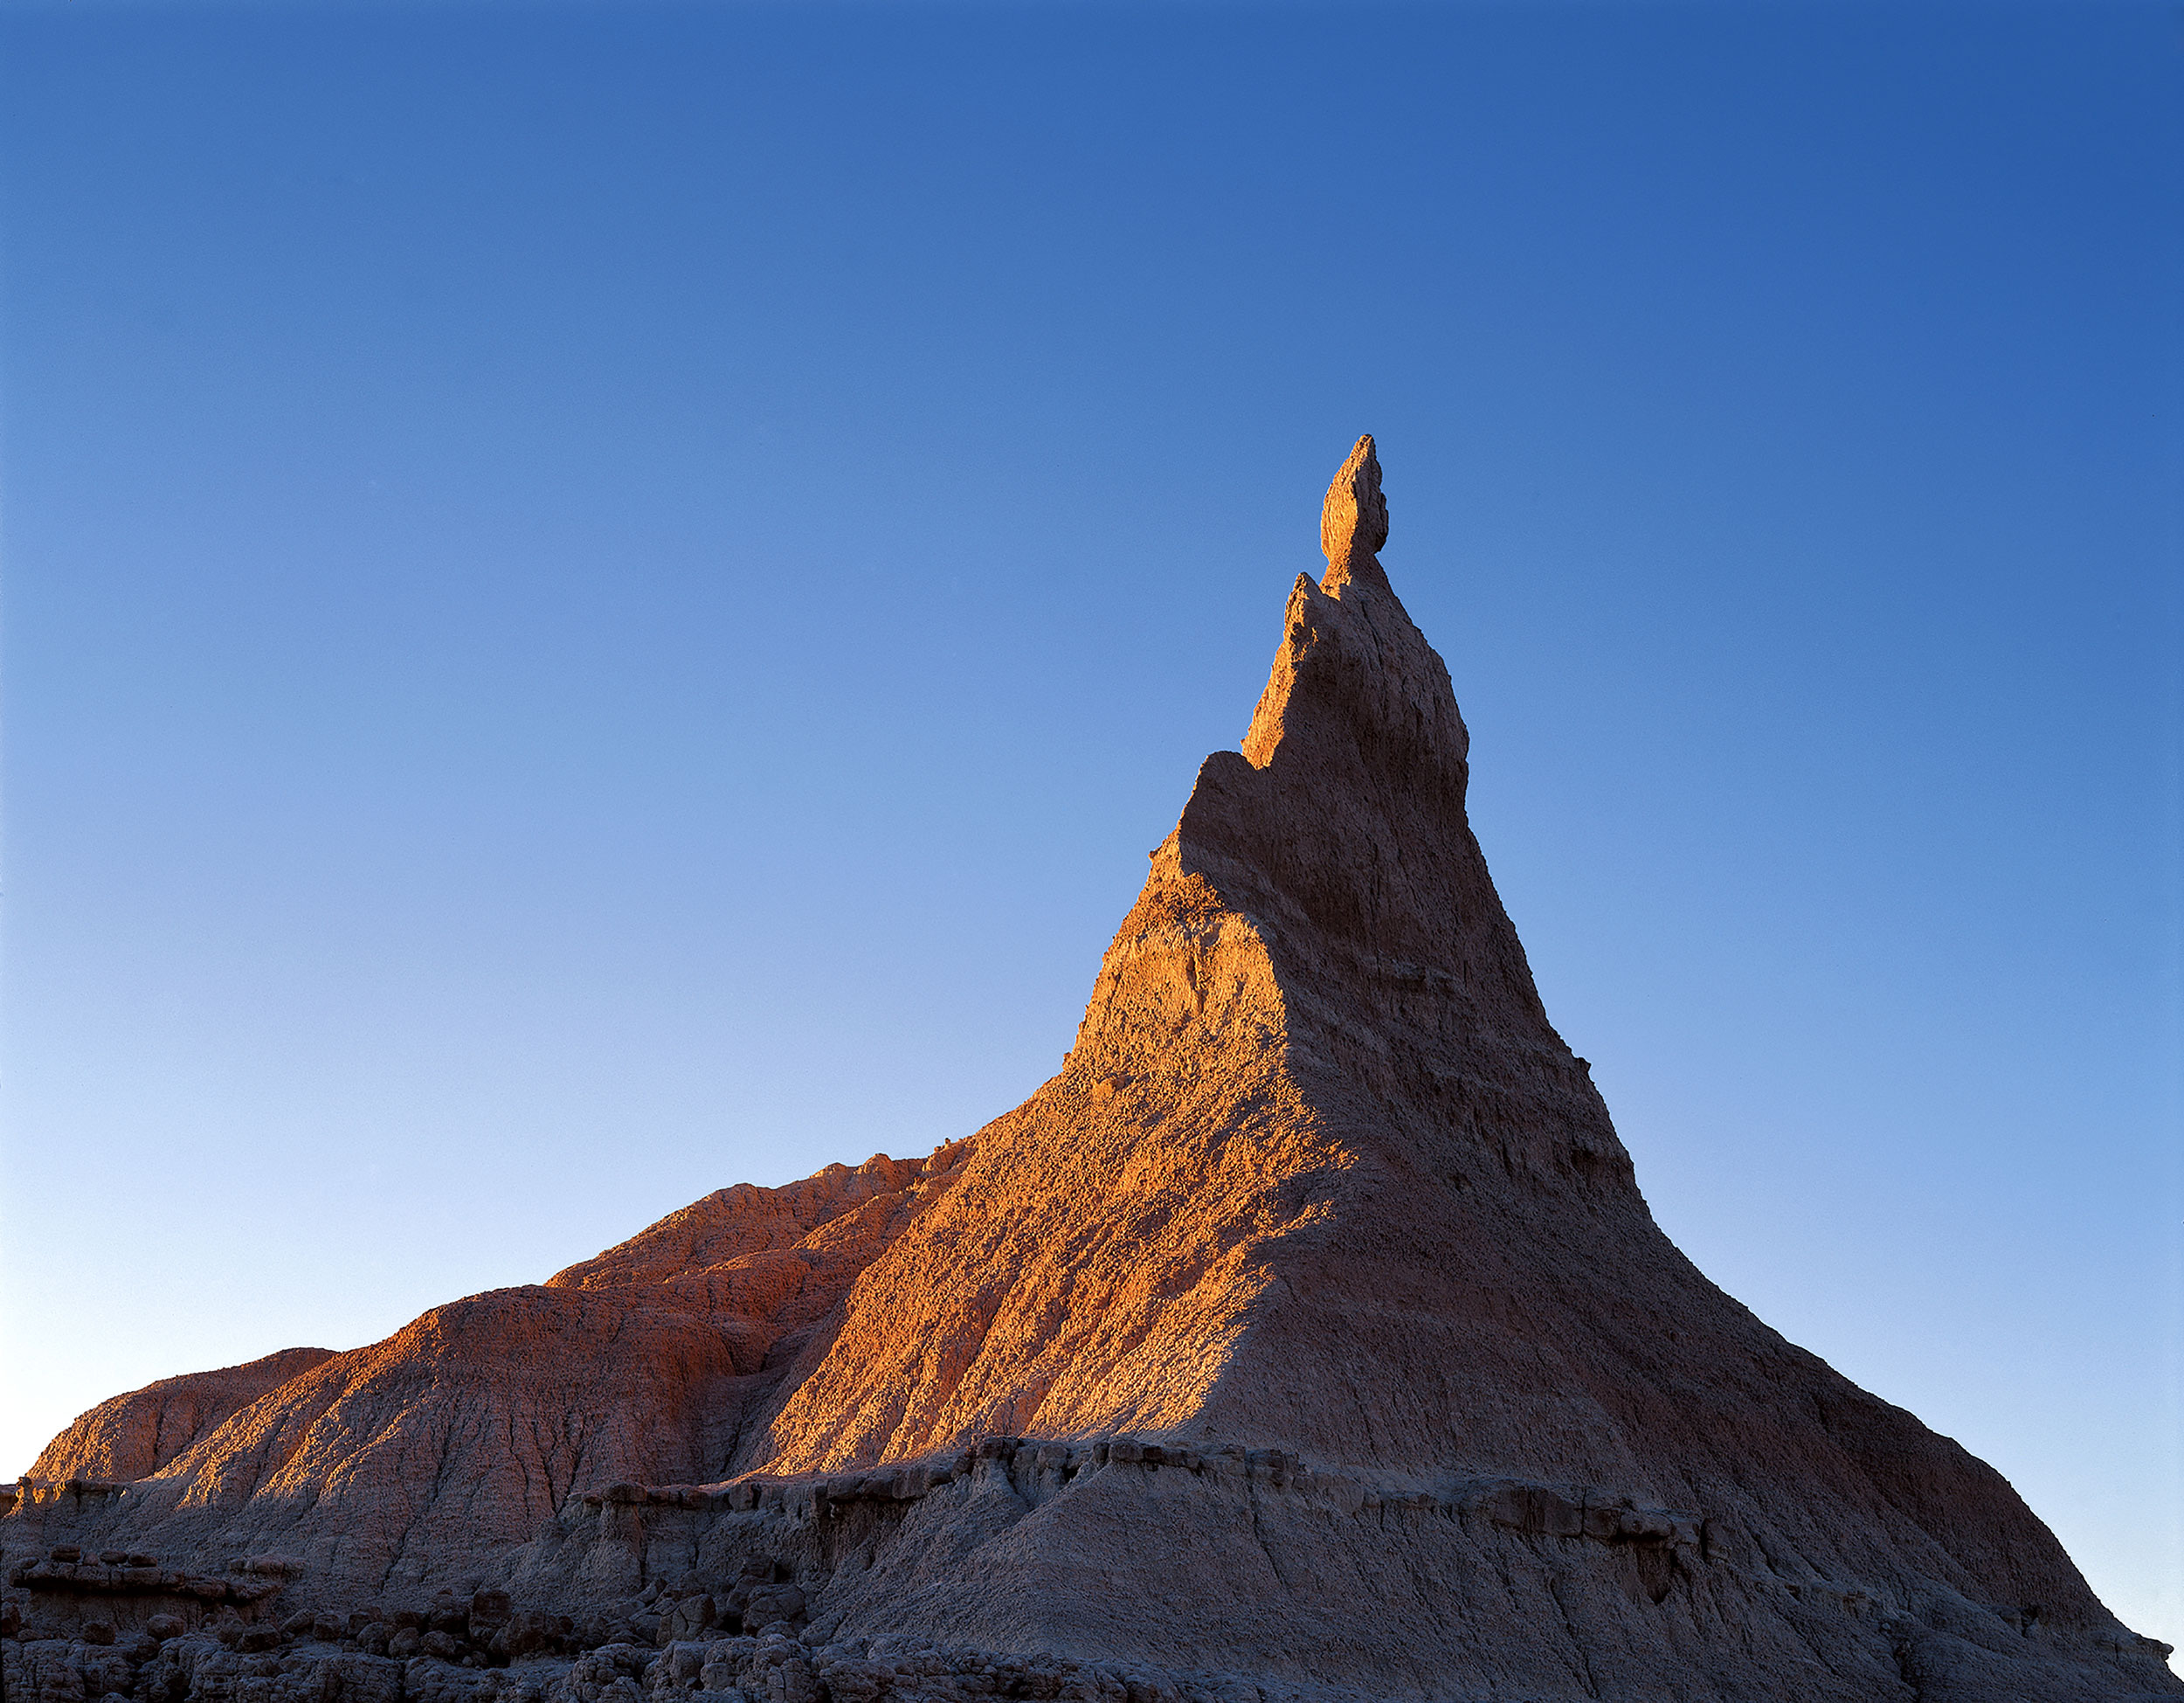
{"type": "Point", "coordinates": [605, 601]}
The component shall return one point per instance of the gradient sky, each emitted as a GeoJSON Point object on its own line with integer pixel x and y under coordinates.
{"type": "Point", "coordinates": [603, 602]}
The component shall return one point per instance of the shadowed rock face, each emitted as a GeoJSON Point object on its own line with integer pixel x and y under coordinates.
{"type": "Point", "coordinates": [1309, 1327]}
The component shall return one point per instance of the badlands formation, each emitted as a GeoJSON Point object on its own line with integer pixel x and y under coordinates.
{"type": "Point", "coordinates": [1307, 1336]}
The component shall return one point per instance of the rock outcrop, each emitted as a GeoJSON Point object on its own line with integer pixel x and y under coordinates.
{"type": "Point", "coordinates": [136, 1435]}
{"type": "Point", "coordinates": [1307, 1336]}
{"type": "Point", "coordinates": [435, 1452]}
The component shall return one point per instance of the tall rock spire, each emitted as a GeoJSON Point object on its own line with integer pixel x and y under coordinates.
{"type": "Point", "coordinates": [1317, 945]}
{"type": "Point", "coordinates": [1308, 1325]}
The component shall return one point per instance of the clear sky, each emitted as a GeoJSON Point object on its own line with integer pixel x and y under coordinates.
{"type": "Point", "coordinates": [603, 602]}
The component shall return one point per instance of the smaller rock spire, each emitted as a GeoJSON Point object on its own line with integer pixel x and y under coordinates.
{"type": "Point", "coordinates": [1354, 523]}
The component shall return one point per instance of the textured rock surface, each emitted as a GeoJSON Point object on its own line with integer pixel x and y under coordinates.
{"type": "Point", "coordinates": [434, 1452]}
{"type": "Point", "coordinates": [1306, 1336]}
{"type": "Point", "coordinates": [135, 1436]}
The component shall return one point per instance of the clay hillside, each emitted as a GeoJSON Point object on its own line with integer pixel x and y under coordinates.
{"type": "Point", "coordinates": [1306, 1337]}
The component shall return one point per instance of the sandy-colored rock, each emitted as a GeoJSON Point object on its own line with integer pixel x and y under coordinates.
{"type": "Point", "coordinates": [1307, 1336]}
{"type": "Point", "coordinates": [1353, 521]}
{"type": "Point", "coordinates": [134, 1436]}
{"type": "Point", "coordinates": [429, 1455]}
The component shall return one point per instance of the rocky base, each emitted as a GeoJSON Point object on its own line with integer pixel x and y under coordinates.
{"type": "Point", "coordinates": [774, 1668]}
{"type": "Point", "coordinates": [824, 1586]}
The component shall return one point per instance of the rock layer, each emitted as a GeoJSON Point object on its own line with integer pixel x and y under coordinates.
{"type": "Point", "coordinates": [1308, 1329]}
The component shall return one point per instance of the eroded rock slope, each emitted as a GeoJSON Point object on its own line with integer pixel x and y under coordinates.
{"type": "Point", "coordinates": [1307, 1336]}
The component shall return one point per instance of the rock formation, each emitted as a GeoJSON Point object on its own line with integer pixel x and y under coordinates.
{"type": "Point", "coordinates": [1306, 1337]}
{"type": "Point", "coordinates": [134, 1436]}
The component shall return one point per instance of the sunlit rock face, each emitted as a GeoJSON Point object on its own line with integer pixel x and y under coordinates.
{"type": "Point", "coordinates": [1306, 1336]}
{"type": "Point", "coordinates": [135, 1436]}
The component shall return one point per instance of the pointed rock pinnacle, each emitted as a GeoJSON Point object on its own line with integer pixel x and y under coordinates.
{"type": "Point", "coordinates": [1354, 523]}
{"type": "Point", "coordinates": [1308, 1326]}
